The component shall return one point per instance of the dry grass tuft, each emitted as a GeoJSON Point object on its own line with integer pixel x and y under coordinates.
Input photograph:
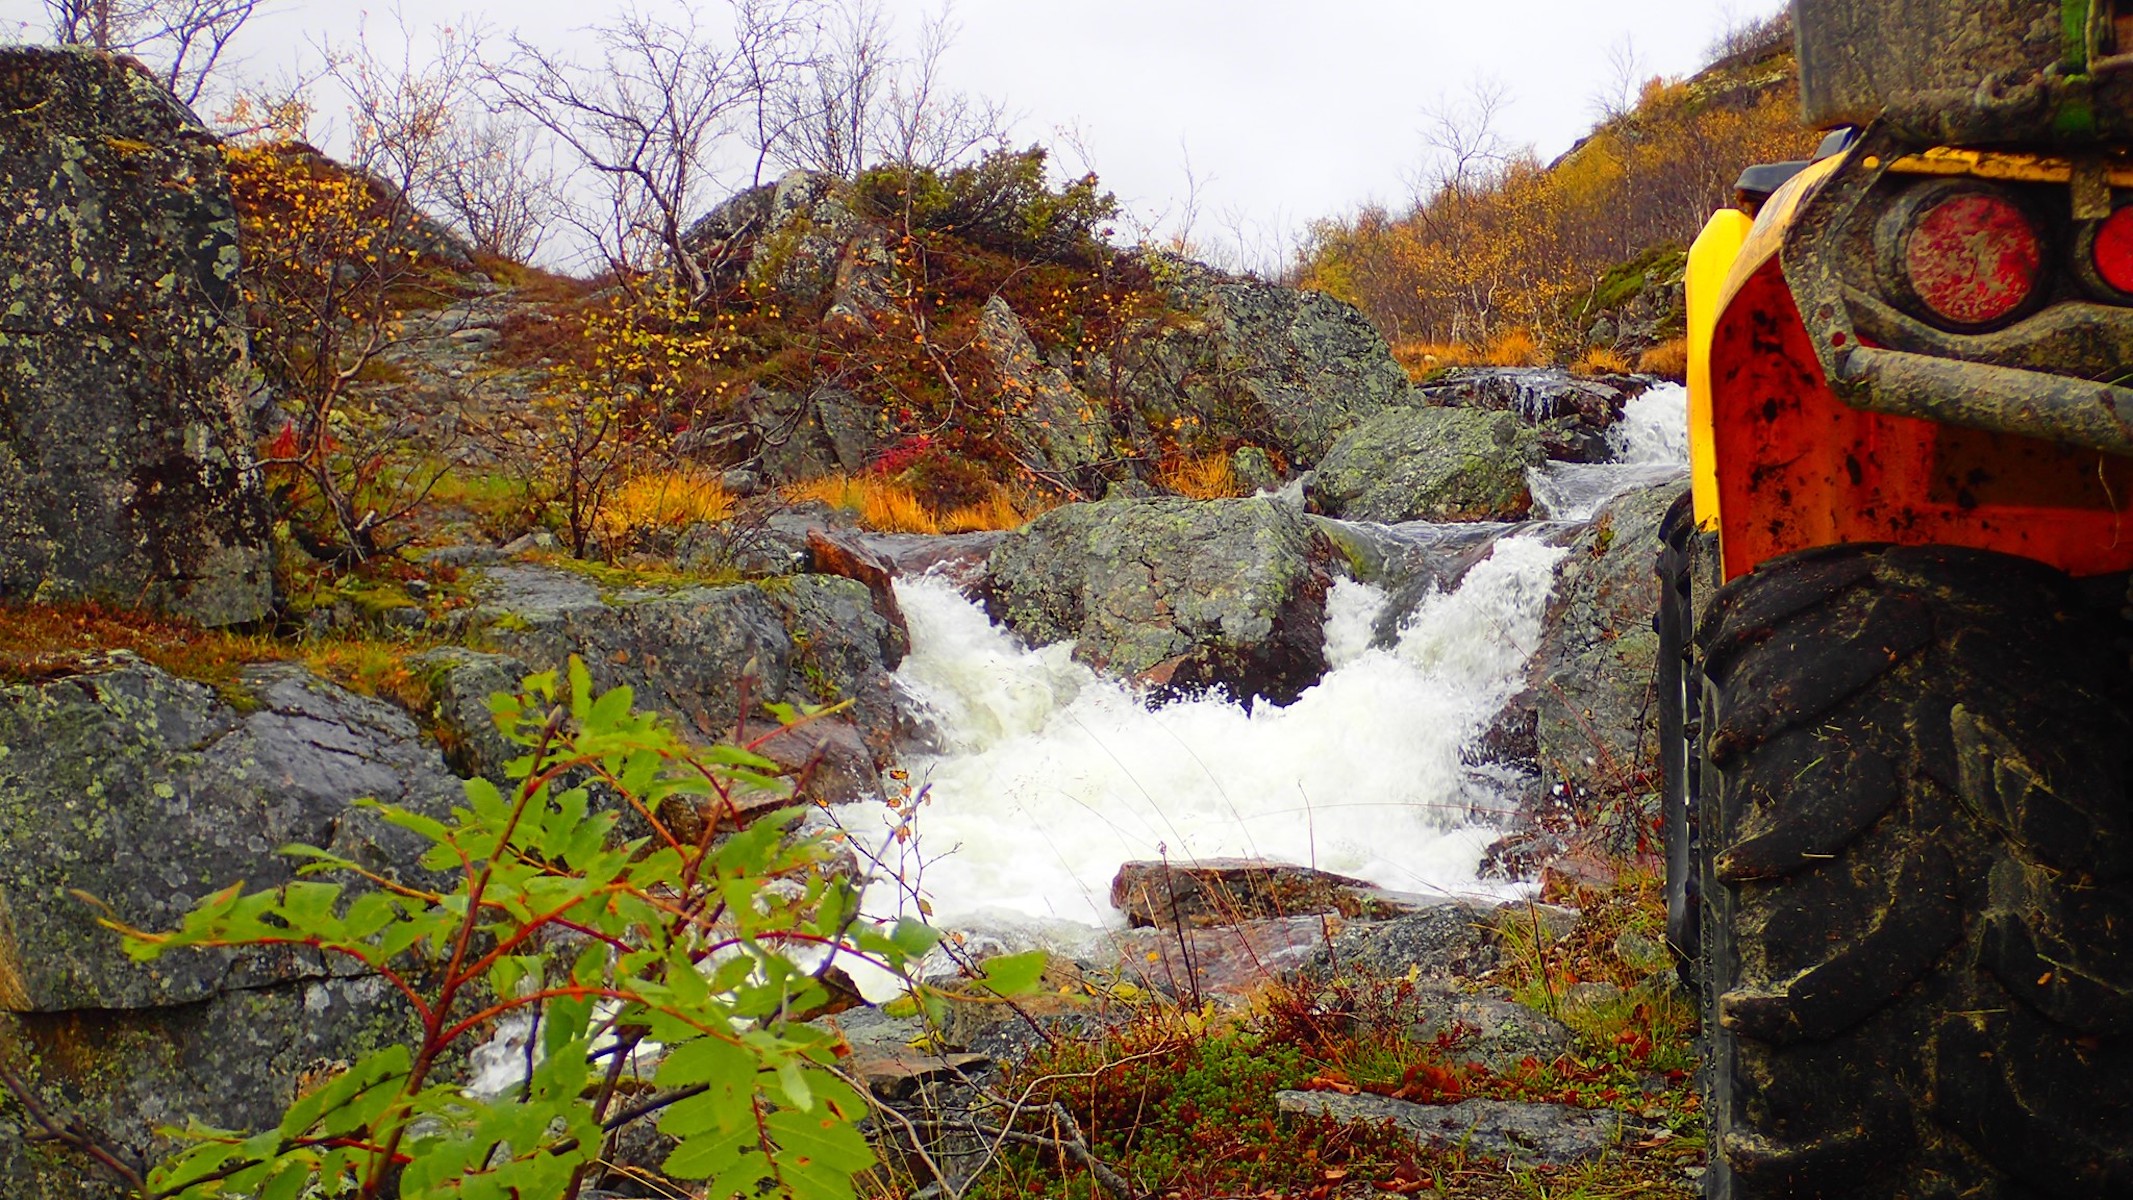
{"type": "Point", "coordinates": [665, 500]}
{"type": "Point", "coordinates": [886, 504]}
{"type": "Point", "coordinates": [882, 504]}
{"type": "Point", "coordinates": [39, 641]}
{"type": "Point", "coordinates": [1421, 358]}
{"type": "Point", "coordinates": [1207, 477]}
{"type": "Point", "coordinates": [1601, 360]}
{"type": "Point", "coordinates": [1514, 348]}
{"type": "Point", "coordinates": [1669, 359]}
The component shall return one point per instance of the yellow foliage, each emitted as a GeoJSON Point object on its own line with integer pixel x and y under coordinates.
{"type": "Point", "coordinates": [999, 512]}
{"type": "Point", "coordinates": [1669, 359]}
{"type": "Point", "coordinates": [1601, 360]}
{"type": "Point", "coordinates": [1514, 348]}
{"type": "Point", "coordinates": [665, 500]}
{"type": "Point", "coordinates": [886, 505]}
{"type": "Point", "coordinates": [882, 504]}
{"type": "Point", "coordinates": [1208, 477]}
{"type": "Point", "coordinates": [1514, 247]}
{"type": "Point", "coordinates": [1420, 358]}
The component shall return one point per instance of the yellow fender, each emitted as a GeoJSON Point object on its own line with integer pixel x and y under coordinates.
{"type": "Point", "coordinates": [1710, 261]}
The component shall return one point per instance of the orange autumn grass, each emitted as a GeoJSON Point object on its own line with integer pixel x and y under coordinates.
{"type": "Point", "coordinates": [666, 500]}
{"type": "Point", "coordinates": [1207, 477]}
{"type": "Point", "coordinates": [1511, 348]}
{"type": "Point", "coordinates": [887, 506]}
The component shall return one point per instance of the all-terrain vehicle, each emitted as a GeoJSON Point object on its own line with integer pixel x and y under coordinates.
{"type": "Point", "coordinates": [1897, 702]}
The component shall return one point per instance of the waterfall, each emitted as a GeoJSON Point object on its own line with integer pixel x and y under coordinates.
{"type": "Point", "coordinates": [1046, 776]}
{"type": "Point", "coordinates": [1650, 444]}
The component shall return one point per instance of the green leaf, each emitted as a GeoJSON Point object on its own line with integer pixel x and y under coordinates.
{"type": "Point", "coordinates": [1013, 974]}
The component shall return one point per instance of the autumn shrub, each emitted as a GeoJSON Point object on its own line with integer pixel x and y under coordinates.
{"type": "Point", "coordinates": [1513, 348]}
{"type": "Point", "coordinates": [1420, 358]}
{"type": "Point", "coordinates": [1002, 202]}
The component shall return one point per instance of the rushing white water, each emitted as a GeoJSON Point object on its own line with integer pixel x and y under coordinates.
{"type": "Point", "coordinates": [1049, 775]}
{"type": "Point", "coordinates": [1650, 443]}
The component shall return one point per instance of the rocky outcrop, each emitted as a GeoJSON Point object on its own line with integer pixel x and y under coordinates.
{"type": "Point", "coordinates": [1287, 370]}
{"type": "Point", "coordinates": [149, 793]}
{"type": "Point", "coordinates": [1520, 1134]}
{"type": "Point", "coordinates": [703, 655]}
{"type": "Point", "coordinates": [1429, 464]}
{"type": "Point", "coordinates": [1589, 687]}
{"type": "Point", "coordinates": [124, 469]}
{"type": "Point", "coordinates": [1181, 594]}
{"type": "Point", "coordinates": [791, 437]}
{"type": "Point", "coordinates": [1055, 428]}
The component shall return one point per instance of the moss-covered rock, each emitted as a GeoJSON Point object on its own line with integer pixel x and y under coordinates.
{"type": "Point", "coordinates": [1182, 594]}
{"type": "Point", "coordinates": [1429, 464]}
{"type": "Point", "coordinates": [124, 468]}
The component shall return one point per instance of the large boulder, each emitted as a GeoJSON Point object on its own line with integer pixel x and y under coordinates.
{"type": "Point", "coordinates": [148, 792]}
{"type": "Point", "coordinates": [1248, 361]}
{"type": "Point", "coordinates": [124, 472]}
{"type": "Point", "coordinates": [1182, 594]}
{"type": "Point", "coordinates": [236, 1060]}
{"type": "Point", "coordinates": [703, 654]}
{"type": "Point", "coordinates": [1429, 464]}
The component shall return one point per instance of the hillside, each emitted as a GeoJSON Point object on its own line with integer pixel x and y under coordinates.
{"type": "Point", "coordinates": [1527, 261]}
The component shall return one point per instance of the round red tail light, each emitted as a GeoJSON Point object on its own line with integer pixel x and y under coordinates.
{"type": "Point", "coordinates": [2112, 251]}
{"type": "Point", "coordinates": [1972, 257]}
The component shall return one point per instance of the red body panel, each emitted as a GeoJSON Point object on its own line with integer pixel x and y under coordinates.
{"type": "Point", "coordinates": [1799, 468]}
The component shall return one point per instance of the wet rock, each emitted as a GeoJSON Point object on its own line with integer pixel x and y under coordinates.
{"type": "Point", "coordinates": [1227, 891]}
{"type": "Point", "coordinates": [848, 557]}
{"type": "Point", "coordinates": [1570, 413]}
{"type": "Point", "coordinates": [1498, 1129]}
{"type": "Point", "coordinates": [1493, 1031]}
{"type": "Point", "coordinates": [125, 474]}
{"type": "Point", "coordinates": [1590, 682]}
{"type": "Point", "coordinates": [1226, 961]}
{"type": "Point", "coordinates": [956, 557]}
{"type": "Point", "coordinates": [1250, 361]}
{"type": "Point", "coordinates": [1428, 464]}
{"type": "Point", "coordinates": [1183, 594]}
{"type": "Point", "coordinates": [150, 792]}
{"type": "Point", "coordinates": [1449, 940]}
{"type": "Point", "coordinates": [1054, 427]}
{"type": "Point", "coordinates": [461, 682]}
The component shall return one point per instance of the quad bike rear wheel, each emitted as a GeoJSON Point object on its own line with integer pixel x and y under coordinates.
{"type": "Point", "coordinates": [1909, 866]}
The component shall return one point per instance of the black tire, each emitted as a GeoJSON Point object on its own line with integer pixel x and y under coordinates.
{"type": "Point", "coordinates": [1915, 850]}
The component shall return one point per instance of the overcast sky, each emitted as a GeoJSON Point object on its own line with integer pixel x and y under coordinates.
{"type": "Point", "coordinates": [1290, 110]}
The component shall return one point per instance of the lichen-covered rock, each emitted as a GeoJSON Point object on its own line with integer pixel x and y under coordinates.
{"type": "Point", "coordinates": [149, 792]}
{"type": "Point", "coordinates": [697, 653]}
{"type": "Point", "coordinates": [1590, 680]}
{"type": "Point", "coordinates": [1244, 360]}
{"type": "Point", "coordinates": [1429, 464]}
{"type": "Point", "coordinates": [234, 1061]}
{"type": "Point", "coordinates": [124, 472]}
{"type": "Point", "coordinates": [1054, 427]}
{"type": "Point", "coordinates": [1182, 594]}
